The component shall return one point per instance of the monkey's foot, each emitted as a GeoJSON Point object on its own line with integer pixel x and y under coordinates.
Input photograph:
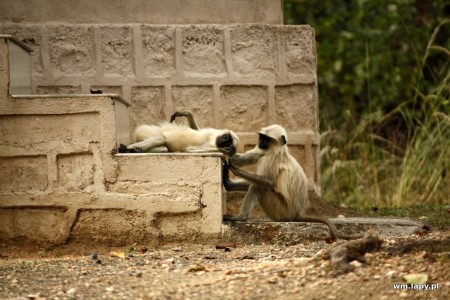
{"type": "Point", "coordinates": [124, 149]}
{"type": "Point", "coordinates": [179, 114]}
{"type": "Point", "coordinates": [234, 218]}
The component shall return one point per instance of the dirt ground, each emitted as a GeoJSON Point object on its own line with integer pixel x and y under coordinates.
{"type": "Point", "coordinates": [282, 269]}
{"type": "Point", "coordinates": [267, 271]}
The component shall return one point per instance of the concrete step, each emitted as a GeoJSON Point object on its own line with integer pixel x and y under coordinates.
{"type": "Point", "coordinates": [266, 231]}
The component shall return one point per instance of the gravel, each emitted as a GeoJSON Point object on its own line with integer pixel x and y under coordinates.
{"type": "Point", "coordinates": [280, 270]}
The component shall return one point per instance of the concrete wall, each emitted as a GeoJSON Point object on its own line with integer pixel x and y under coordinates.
{"type": "Point", "coordinates": [61, 180]}
{"type": "Point", "coordinates": [143, 11]}
{"type": "Point", "coordinates": [239, 76]}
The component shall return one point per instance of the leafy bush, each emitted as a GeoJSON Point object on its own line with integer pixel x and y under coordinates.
{"type": "Point", "coordinates": [383, 69]}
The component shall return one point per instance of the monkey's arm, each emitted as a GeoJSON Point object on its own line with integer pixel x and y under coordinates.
{"type": "Point", "coordinates": [259, 181]}
{"type": "Point", "coordinates": [250, 157]}
{"type": "Point", "coordinates": [253, 178]}
{"type": "Point", "coordinates": [188, 114]}
{"type": "Point", "coordinates": [233, 185]}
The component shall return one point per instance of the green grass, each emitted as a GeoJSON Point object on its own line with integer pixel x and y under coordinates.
{"type": "Point", "coordinates": [402, 167]}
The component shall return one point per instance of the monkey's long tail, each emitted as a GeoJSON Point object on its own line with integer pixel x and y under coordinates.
{"type": "Point", "coordinates": [333, 230]}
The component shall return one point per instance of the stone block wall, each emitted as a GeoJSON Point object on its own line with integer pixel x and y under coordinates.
{"type": "Point", "coordinates": [241, 76]}
{"type": "Point", "coordinates": [62, 181]}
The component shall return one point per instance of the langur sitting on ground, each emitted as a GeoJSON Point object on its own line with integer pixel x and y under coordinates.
{"type": "Point", "coordinates": [279, 185]}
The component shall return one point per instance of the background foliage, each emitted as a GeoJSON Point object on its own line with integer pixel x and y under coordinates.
{"type": "Point", "coordinates": [383, 71]}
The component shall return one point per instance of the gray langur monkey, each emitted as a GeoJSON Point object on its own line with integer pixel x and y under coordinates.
{"type": "Point", "coordinates": [182, 138]}
{"type": "Point", "coordinates": [279, 185]}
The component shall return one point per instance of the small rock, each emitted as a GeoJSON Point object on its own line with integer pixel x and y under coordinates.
{"type": "Point", "coordinates": [196, 268]}
{"type": "Point", "coordinates": [355, 263]}
{"type": "Point", "coordinates": [110, 289]}
{"type": "Point", "coordinates": [390, 273]}
{"type": "Point", "coordinates": [71, 291]}
{"type": "Point", "coordinates": [272, 280]}
{"type": "Point", "coordinates": [170, 260]}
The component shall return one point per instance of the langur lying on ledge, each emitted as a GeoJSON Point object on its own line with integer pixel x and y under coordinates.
{"type": "Point", "coordinates": [181, 138]}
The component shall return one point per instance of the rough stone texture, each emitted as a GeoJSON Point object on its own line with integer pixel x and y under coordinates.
{"type": "Point", "coordinates": [126, 226]}
{"type": "Point", "coordinates": [32, 223]}
{"type": "Point", "coordinates": [199, 99]}
{"type": "Point", "coordinates": [158, 50]}
{"type": "Point", "coordinates": [245, 108]}
{"type": "Point", "coordinates": [53, 89]}
{"type": "Point", "coordinates": [143, 11]}
{"type": "Point", "coordinates": [24, 173]}
{"type": "Point", "coordinates": [76, 173]}
{"type": "Point", "coordinates": [71, 50]}
{"type": "Point", "coordinates": [147, 105]}
{"type": "Point", "coordinates": [62, 180]}
{"type": "Point", "coordinates": [203, 52]}
{"type": "Point", "coordinates": [296, 107]}
{"type": "Point", "coordinates": [116, 50]}
{"type": "Point", "coordinates": [300, 52]}
{"type": "Point", "coordinates": [254, 51]}
{"type": "Point", "coordinates": [39, 133]}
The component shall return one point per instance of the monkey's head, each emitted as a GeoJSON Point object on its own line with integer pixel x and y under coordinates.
{"type": "Point", "coordinates": [227, 141]}
{"type": "Point", "coordinates": [272, 135]}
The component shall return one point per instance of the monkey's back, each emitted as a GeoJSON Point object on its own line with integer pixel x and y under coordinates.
{"type": "Point", "coordinates": [290, 181]}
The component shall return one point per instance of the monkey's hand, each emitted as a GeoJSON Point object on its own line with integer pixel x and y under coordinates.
{"type": "Point", "coordinates": [228, 151]}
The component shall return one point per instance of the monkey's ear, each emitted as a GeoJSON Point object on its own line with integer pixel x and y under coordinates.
{"type": "Point", "coordinates": [283, 140]}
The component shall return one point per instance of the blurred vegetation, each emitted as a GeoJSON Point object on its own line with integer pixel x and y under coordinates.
{"type": "Point", "coordinates": [384, 88]}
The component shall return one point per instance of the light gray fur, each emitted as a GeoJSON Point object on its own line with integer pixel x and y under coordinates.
{"type": "Point", "coordinates": [279, 185]}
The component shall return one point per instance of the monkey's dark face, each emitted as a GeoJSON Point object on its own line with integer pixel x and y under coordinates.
{"type": "Point", "coordinates": [225, 143]}
{"type": "Point", "coordinates": [264, 141]}
{"type": "Point", "coordinates": [224, 140]}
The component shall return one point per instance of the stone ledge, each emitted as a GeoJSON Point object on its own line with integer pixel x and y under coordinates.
{"type": "Point", "coordinates": [258, 231]}
{"type": "Point", "coordinates": [155, 198]}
